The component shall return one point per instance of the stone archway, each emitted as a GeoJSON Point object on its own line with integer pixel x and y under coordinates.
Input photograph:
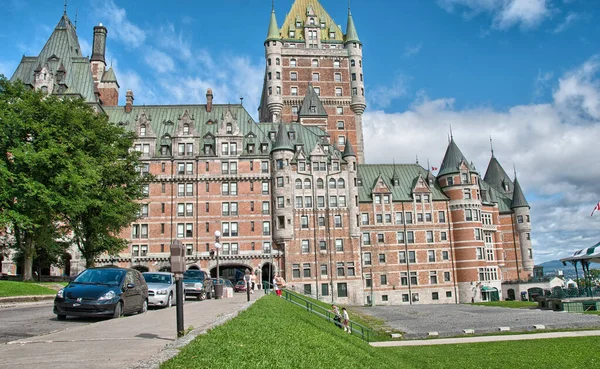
{"type": "Point", "coordinates": [192, 267]}
{"type": "Point", "coordinates": [141, 268]}
{"type": "Point", "coordinates": [511, 294]}
{"type": "Point", "coordinates": [232, 271]}
{"type": "Point", "coordinates": [268, 273]}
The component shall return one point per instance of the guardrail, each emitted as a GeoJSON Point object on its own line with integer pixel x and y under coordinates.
{"type": "Point", "coordinates": [355, 328]}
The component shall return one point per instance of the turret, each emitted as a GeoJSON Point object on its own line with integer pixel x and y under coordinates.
{"type": "Point", "coordinates": [350, 157]}
{"type": "Point", "coordinates": [273, 78]}
{"type": "Point", "coordinates": [282, 153]}
{"type": "Point", "coordinates": [523, 226]}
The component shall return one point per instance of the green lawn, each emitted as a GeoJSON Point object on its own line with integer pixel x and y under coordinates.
{"type": "Point", "coordinates": [508, 304]}
{"type": "Point", "coordinates": [276, 334]}
{"type": "Point", "coordinates": [10, 288]}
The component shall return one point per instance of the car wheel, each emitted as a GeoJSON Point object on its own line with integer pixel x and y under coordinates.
{"type": "Point", "coordinates": [202, 296]}
{"type": "Point", "coordinates": [118, 310]}
{"type": "Point", "coordinates": [61, 317]}
{"type": "Point", "coordinates": [169, 301]}
{"type": "Point", "coordinates": [144, 307]}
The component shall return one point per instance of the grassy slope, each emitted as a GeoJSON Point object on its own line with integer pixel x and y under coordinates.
{"type": "Point", "coordinates": [10, 288]}
{"type": "Point", "coordinates": [276, 334]}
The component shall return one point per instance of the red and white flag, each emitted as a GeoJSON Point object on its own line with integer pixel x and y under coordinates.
{"type": "Point", "coordinates": [434, 168]}
{"type": "Point", "coordinates": [597, 207]}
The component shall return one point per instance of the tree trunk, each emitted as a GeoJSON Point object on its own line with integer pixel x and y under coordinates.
{"type": "Point", "coordinates": [28, 258]}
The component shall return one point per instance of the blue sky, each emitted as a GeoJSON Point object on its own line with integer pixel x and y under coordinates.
{"type": "Point", "coordinates": [525, 72]}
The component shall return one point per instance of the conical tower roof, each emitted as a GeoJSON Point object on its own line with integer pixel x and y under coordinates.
{"type": "Point", "coordinates": [452, 160]}
{"type": "Point", "coordinates": [282, 141]}
{"type": "Point", "coordinates": [351, 34]}
{"type": "Point", "coordinates": [312, 105]}
{"type": "Point", "coordinates": [109, 76]}
{"type": "Point", "coordinates": [497, 177]}
{"type": "Point", "coordinates": [348, 150]}
{"type": "Point", "coordinates": [273, 34]}
{"type": "Point", "coordinates": [518, 200]}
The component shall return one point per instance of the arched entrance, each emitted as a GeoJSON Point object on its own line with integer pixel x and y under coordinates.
{"type": "Point", "coordinates": [511, 294]}
{"type": "Point", "coordinates": [233, 272]}
{"type": "Point", "coordinates": [141, 268]}
{"type": "Point", "coordinates": [268, 273]}
{"type": "Point", "coordinates": [192, 267]}
{"type": "Point", "coordinates": [67, 264]}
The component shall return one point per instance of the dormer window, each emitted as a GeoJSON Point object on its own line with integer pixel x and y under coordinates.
{"type": "Point", "coordinates": [322, 24]}
{"type": "Point", "coordinates": [332, 35]}
{"type": "Point", "coordinates": [313, 109]}
{"type": "Point", "coordinates": [142, 130]}
{"type": "Point", "coordinates": [292, 135]}
{"type": "Point", "coordinates": [207, 149]}
{"type": "Point", "coordinates": [292, 33]}
{"type": "Point", "coordinates": [318, 91]}
{"type": "Point", "coordinates": [250, 148]}
{"type": "Point", "coordinates": [186, 129]}
{"type": "Point", "coordinates": [272, 135]}
{"type": "Point", "coordinates": [298, 24]}
{"type": "Point", "coordinates": [311, 21]}
{"type": "Point", "coordinates": [263, 147]}
{"type": "Point", "coordinates": [229, 128]}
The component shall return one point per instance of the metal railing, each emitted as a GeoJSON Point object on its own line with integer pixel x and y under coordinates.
{"type": "Point", "coordinates": [355, 328]}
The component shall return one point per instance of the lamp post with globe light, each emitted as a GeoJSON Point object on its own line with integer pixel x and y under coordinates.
{"type": "Point", "coordinates": [218, 286]}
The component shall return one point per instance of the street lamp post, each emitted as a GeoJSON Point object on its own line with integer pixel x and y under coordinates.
{"type": "Point", "coordinates": [218, 286]}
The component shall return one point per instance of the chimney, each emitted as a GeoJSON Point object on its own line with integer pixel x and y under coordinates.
{"type": "Point", "coordinates": [209, 98]}
{"type": "Point", "coordinates": [128, 101]}
{"type": "Point", "coordinates": [99, 45]}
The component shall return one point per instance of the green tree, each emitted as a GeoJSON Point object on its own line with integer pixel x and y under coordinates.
{"type": "Point", "coordinates": [65, 172]}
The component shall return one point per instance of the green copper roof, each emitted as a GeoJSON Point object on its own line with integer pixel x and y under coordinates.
{"type": "Point", "coordinates": [518, 200]}
{"type": "Point", "coordinates": [273, 33]}
{"type": "Point", "coordinates": [312, 105]}
{"type": "Point", "coordinates": [298, 13]}
{"type": "Point", "coordinates": [348, 150]}
{"type": "Point", "coordinates": [407, 175]}
{"type": "Point", "coordinates": [109, 76]}
{"type": "Point", "coordinates": [497, 177]}
{"type": "Point", "coordinates": [452, 160]}
{"type": "Point", "coordinates": [351, 34]}
{"type": "Point", "coordinates": [62, 48]}
{"type": "Point", "coordinates": [282, 142]}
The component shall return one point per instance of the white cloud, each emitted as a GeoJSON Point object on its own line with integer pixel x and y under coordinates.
{"type": "Point", "coordinates": [506, 13]}
{"type": "Point", "coordinates": [382, 96]}
{"type": "Point", "coordinates": [411, 50]}
{"type": "Point", "coordinates": [569, 20]}
{"type": "Point", "coordinates": [541, 83]}
{"type": "Point", "coordinates": [159, 61]}
{"type": "Point", "coordinates": [116, 19]}
{"type": "Point", "coordinates": [556, 160]}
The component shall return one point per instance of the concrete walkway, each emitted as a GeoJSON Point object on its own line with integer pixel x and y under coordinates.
{"type": "Point", "coordinates": [138, 341]}
{"type": "Point", "coordinates": [458, 340]}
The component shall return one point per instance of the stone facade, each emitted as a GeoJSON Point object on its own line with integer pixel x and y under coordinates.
{"type": "Point", "coordinates": [291, 196]}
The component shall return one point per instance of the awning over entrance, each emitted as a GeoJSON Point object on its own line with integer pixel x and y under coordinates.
{"type": "Point", "coordinates": [488, 289]}
{"type": "Point", "coordinates": [590, 254]}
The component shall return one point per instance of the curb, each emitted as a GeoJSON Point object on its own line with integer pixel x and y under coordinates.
{"type": "Point", "coordinates": [22, 299]}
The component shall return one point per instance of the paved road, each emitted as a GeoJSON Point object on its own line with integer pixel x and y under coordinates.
{"type": "Point", "coordinates": [139, 341]}
{"type": "Point", "coordinates": [450, 320]}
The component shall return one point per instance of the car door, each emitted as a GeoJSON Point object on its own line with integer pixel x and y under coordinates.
{"type": "Point", "coordinates": [130, 295]}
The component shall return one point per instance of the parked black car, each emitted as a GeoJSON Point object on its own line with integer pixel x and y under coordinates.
{"type": "Point", "coordinates": [103, 292]}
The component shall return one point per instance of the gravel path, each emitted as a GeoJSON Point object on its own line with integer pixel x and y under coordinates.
{"type": "Point", "coordinates": [450, 320]}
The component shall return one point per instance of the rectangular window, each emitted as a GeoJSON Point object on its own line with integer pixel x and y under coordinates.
{"type": "Point", "coordinates": [364, 218]}
{"type": "Point", "coordinates": [339, 245]}
{"type": "Point", "coordinates": [445, 255]}
{"type": "Point", "coordinates": [350, 269]}
{"type": "Point", "coordinates": [265, 207]}
{"type": "Point", "coordinates": [383, 279]}
{"type": "Point", "coordinates": [324, 289]}
{"type": "Point", "coordinates": [408, 218]}
{"type": "Point", "coordinates": [366, 239]}
{"type": "Point", "coordinates": [265, 188]}
{"type": "Point", "coordinates": [399, 218]}
{"type": "Point", "coordinates": [446, 276]}
{"type": "Point", "coordinates": [441, 217]}
{"type": "Point", "coordinates": [443, 236]}
{"type": "Point", "coordinates": [337, 221]}
{"type": "Point", "coordinates": [342, 289]}
{"type": "Point", "coordinates": [412, 257]}
{"type": "Point", "coordinates": [419, 217]}
{"type": "Point", "coordinates": [295, 270]}
{"type": "Point", "coordinates": [340, 269]}
{"type": "Point", "coordinates": [410, 237]}
{"type": "Point", "coordinates": [368, 280]}
{"type": "Point", "coordinates": [266, 228]}
{"type": "Point", "coordinates": [429, 236]}
{"type": "Point", "coordinates": [428, 217]}
{"type": "Point", "coordinates": [380, 238]}
{"type": "Point", "coordinates": [401, 257]}
{"type": "Point", "coordinates": [306, 270]}
{"type": "Point", "coordinates": [435, 296]}
{"type": "Point", "coordinates": [305, 246]}
{"type": "Point", "coordinates": [433, 278]}
{"type": "Point", "coordinates": [404, 278]}
{"type": "Point", "coordinates": [367, 258]}
{"type": "Point", "coordinates": [304, 222]}
{"type": "Point", "coordinates": [382, 258]}
{"type": "Point", "coordinates": [431, 256]}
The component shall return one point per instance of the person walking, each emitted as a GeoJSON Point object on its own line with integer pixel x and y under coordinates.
{"type": "Point", "coordinates": [346, 320]}
{"type": "Point", "coordinates": [337, 317]}
{"type": "Point", "coordinates": [276, 287]}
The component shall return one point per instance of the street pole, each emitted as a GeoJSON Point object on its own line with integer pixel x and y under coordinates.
{"type": "Point", "coordinates": [218, 287]}
{"type": "Point", "coordinates": [179, 299]}
{"type": "Point", "coordinates": [247, 280]}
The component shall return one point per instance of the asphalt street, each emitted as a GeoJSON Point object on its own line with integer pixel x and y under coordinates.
{"type": "Point", "coordinates": [417, 321]}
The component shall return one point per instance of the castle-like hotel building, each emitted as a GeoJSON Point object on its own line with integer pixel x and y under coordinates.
{"type": "Point", "coordinates": [292, 194]}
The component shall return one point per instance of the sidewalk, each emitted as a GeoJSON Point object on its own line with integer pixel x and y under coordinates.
{"type": "Point", "coordinates": [138, 341]}
{"type": "Point", "coordinates": [478, 339]}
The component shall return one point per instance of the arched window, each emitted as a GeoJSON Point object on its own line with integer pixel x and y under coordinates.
{"type": "Point", "coordinates": [353, 63]}
{"type": "Point", "coordinates": [186, 129]}
{"type": "Point", "coordinates": [341, 183]}
{"type": "Point", "coordinates": [277, 61]}
{"type": "Point", "coordinates": [298, 184]}
{"type": "Point", "coordinates": [320, 183]}
{"type": "Point", "coordinates": [315, 63]}
{"type": "Point", "coordinates": [142, 130]}
{"type": "Point", "coordinates": [331, 183]}
{"type": "Point", "coordinates": [269, 61]}
{"type": "Point", "coordinates": [307, 184]}
{"type": "Point", "coordinates": [292, 62]}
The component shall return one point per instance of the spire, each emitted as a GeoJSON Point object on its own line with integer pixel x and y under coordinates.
{"type": "Point", "coordinates": [282, 141]}
{"type": "Point", "coordinates": [351, 34]}
{"type": "Point", "coordinates": [491, 146]}
{"type": "Point", "coordinates": [312, 105]}
{"type": "Point", "coordinates": [273, 34]}
{"type": "Point", "coordinates": [109, 76]}
{"type": "Point", "coordinates": [348, 150]}
{"type": "Point", "coordinates": [452, 159]}
{"type": "Point", "coordinates": [395, 176]}
{"type": "Point", "coordinates": [518, 200]}
{"type": "Point", "coordinates": [497, 177]}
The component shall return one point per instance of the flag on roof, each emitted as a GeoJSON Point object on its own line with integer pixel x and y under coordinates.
{"type": "Point", "coordinates": [597, 207]}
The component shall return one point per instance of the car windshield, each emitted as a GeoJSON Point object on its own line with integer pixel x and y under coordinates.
{"type": "Point", "coordinates": [194, 274]}
{"type": "Point", "coordinates": [157, 278]}
{"type": "Point", "coordinates": [111, 277]}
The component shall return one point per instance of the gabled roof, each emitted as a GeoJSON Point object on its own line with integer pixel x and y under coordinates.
{"type": "Point", "coordinates": [496, 176]}
{"type": "Point", "coordinates": [453, 159]}
{"type": "Point", "coordinates": [282, 141]}
{"type": "Point", "coordinates": [312, 105]}
{"type": "Point", "coordinates": [62, 48]}
{"type": "Point", "coordinates": [273, 33]}
{"type": "Point", "coordinates": [351, 34]}
{"type": "Point", "coordinates": [407, 175]}
{"type": "Point", "coordinates": [298, 12]}
{"type": "Point", "coordinates": [518, 200]}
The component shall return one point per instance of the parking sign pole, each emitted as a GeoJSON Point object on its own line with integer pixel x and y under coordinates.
{"type": "Point", "coordinates": [179, 292]}
{"type": "Point", "coordinates": [177, 268]}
